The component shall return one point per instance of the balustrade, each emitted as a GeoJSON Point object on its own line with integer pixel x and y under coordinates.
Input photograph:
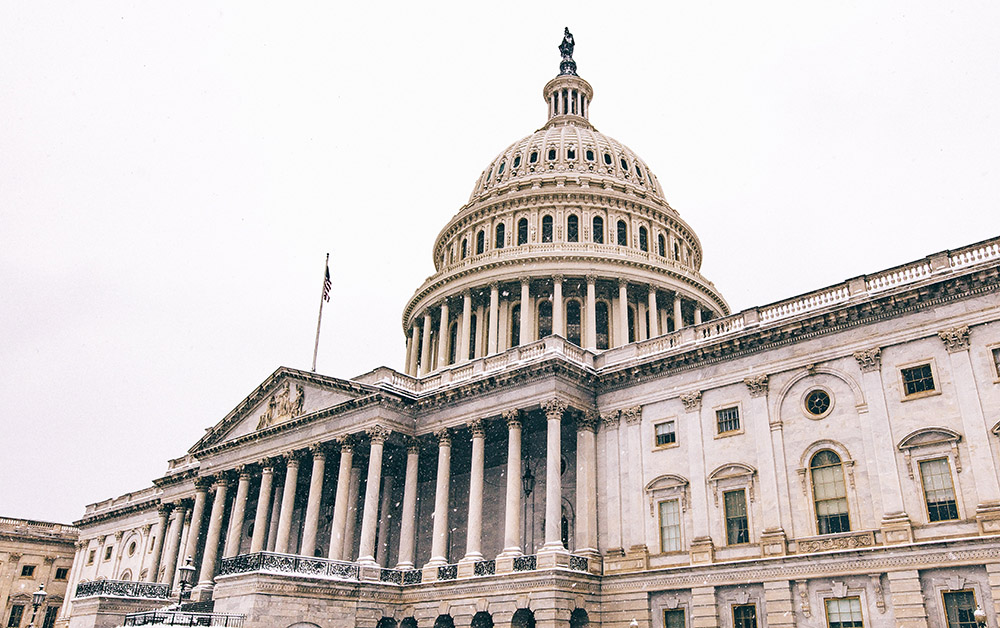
{"type": "Point", "coordinates": [124, 588]}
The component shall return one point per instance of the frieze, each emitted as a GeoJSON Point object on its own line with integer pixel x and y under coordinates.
{"type": "Point", "coordinates": [827, 543]}
{"type": "Point", "coordinates": [955, 338]}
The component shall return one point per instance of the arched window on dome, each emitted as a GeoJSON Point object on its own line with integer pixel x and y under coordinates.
{"type": "Point", "coordinates": [546, 228]}
{"type": "Point", "coordinates": [643, 239]}
{"type": "Point", "coordinates": [601, 322]}
{"type": "Point", "coordinates": [481, 242]}
{"type": "Point", "coordinates": [598, 225]}
{"type": "Point", "coordinates": [544, 318]}
{"type": "Point", "coordinates": [829, 493]}
{"type": "Point", "coordinates": [473, 324]}
{"type": "Point", "coordinates": [661, 245]}
{"type": "Point", "coordinates": [515, 325]}
{"type": "Point", "coordinates": [572, 228]}
{"type": "Point", "coordinates": [622, 233]}
{"type": "Point", "coordinates": [573, 327]}
{"type": "Point", "coordinates": [452, 342]}
{"type": "Point", "coordinates": [465, 248]}
{"type": "Point", "coordinates": [522, 231]}
{"type": "Point", "coordinates": [500, 236]}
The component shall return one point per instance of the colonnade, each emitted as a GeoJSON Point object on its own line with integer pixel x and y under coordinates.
{"type": "Point", "coordinates": [183, 520]}
{"type": "Point", "coordinates": [592, 312]}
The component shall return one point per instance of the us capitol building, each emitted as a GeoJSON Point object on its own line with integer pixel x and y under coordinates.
{"type": "Point", "coordinates": [585, 434]}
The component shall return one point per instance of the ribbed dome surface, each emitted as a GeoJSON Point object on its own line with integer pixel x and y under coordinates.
{"type": "Point", "coordinates": [570, 150]}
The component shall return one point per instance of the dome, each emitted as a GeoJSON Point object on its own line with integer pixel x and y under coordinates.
{"type": "Point", "coordinates": [566, 233]}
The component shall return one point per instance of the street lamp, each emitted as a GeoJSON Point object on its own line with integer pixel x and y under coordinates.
{"type": "Point", "coordinates": [527, 481]}
{"type": "Point", "coordinates": [980, 616]}
{"type": "Point", "coordinates": [186, 579]}
{"type": "Point", "coordinates": [37, 599]}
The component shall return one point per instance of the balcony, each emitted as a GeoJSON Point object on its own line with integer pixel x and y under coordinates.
{"type": "Point", "coordinates": [123, 588]}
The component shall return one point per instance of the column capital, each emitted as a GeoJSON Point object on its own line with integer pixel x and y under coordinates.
{"type": "Point", "coordinates": [652, 288]}
{"type": "Point", "coordinates": [378, 434]}
{"type": "Point", "coordinates": [292, 458]}
{"type": "Point", "coordinates": [165, 509]}
{"type": "Point", "coordinates": [222, 479]}
{"type": "Point", "coordinates": [182, 504]}
{"type": "Point", "coordinates": [691, 401]}
{"type": "Point", "coordinates": [318, 450]}
{"type": "Point", "coordinates": [757, 385]}
{"type": "Point", "coordinates": [554, 408]}
{"type": "Point", "coordinates": [203, 483]}
{"type": "Point", "coordinates": [591, 278]}
{"type": "Point", "coordinates": [955, 338]}
{"type": "Point", "coordinates": [244, 471]}
{"type": "Point", "coordinates": [477, 427]}
{"type": "Point", "coordinates": [632, 415]}
{"type": "Point", "coordinates": [118, 535]}
{"type": "Point", "coordinates": [869, 359]}
{"type": "Point", "coordinates": [524, 280]}
{"type": "Point", "coordinates": [346, 443]}
{"type": "Point", "coordinates": [412, 444]}
{"type": "Point", "coordinates": [558, 277]}
{"type": "Point", "coordinates": [467, 293]}
{"type": "Point", "coordinates": [610, 420]}
{"type": "Point", "coordinates": [513, 418]}
{"type": "Point", "coordinates": [622, 282]}
{"type": "Point", "coordinates": [494, 285]}
{"type": "Point", "coordinates": [444, 437]}
{"type": "Point", "coordinates": [587, 422]}
{"type": "Point", "coordinates": [79, 545]}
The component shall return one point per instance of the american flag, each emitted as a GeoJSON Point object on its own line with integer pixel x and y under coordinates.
{"type": "Point", "coordinates": [327, 284]}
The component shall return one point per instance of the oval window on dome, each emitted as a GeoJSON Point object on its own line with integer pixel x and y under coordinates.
{"type": "Point", "coordinates": [624, 165]}
{"type": "Point", "coordinates": [533, 157]}
{"type": "Point", "coordinates": [607, 158]}
{"type": "Point", "coordinates": [589, 155]}
{"type": "Point", "coordinates": [570, 153]}
{"type": "Point", "coordinates": [503, 164]}
{"type": "Point", "coordinates": [489, 175]}
{"type": "Point", "coordinates": [552, 154]}
{"type": "Point", "coordinates": [638, 170]}
{"type": "Point", "coordinates": [517, 161]}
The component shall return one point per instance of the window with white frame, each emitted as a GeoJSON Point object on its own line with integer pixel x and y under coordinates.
{"type": "Point", "coordinates": [995, 352]}
{"type": "Point", "coordinates": [666, 433]}
{"type": "Point", "coordinates": [737, 523]}
{"type": "Point", "coordinates": [917, 380]}
{"type": "Point", "coordinates": [670, 526]}
{"type": "Point", "coordinates": [939, 492]}
{"type": "Point", "coordinates": [844, 613]}
{"type": "Point", "coordinates": [829, 493]}
{"type": "Point", "coordinates": [728, 420]}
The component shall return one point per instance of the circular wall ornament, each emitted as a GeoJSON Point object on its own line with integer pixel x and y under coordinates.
{"type": "Point", "coordinates": [817, 403]}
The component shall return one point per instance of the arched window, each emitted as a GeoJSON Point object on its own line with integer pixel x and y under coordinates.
{"type": "Point", "coordinates": [572, 228]}
{"type": "Point", "coordinates": [677, 251]}
{"type": "Point", "coordinates": [465, 249]}
{"type": "Point", "coordinates": [482, 619]}
{"type": "Point", "coordinates": [452, 342]}
{"type": "Point", "coordinates": [643, 239]}
{"type": "Point", "coordinates": [515, 325]}
{"type": "Point", "coordinates": [631, 323]}
{"type": "Point", "coordinates": [522, 231]}
{"type": "Point", "coordinates": [444, 621]}
{"type": "Point", "coordinates": [573, 322]}
{"type": "Point", "coordinates": [480, 242]}
{"type": "Point", "coordinates": [829, 493]}
{"type": "Point", "coordinates": [544, 318]}
{"type": "Point", "coordinates": [498, 240]}
{"type": "Point", "coordinates": [661, 245]}
{"type": "Point", "coordinates": [601, 321]}
{"type": "Point", "coordinates": [523, 618]}
{"type": "Point", "coordinates": [546, 228]}
{"type": "Point", "coordinates": [473, 323]}
{"type": "Point", "coordinates": [622, 233]}
{"type": "Point", "coordinates": [598, 230]}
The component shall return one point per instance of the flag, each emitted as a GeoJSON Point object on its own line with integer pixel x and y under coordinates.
{"type": "Point", "coordinates": [327, 284]}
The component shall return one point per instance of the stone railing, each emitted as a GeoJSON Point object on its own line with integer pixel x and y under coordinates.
{"type": "Point", "coordinates": [975, 254]}
{"type": "Point", "coordinates": [271, 562]}
{"type": "Point", "coordinates": [180, 618]}
{"type": "Point", "coordinates": [123, 588]}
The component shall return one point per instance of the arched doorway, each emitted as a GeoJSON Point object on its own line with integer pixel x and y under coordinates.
{"type": "Point", "coordinates": [579, 619]}
{"type": "Point", "coordinates": [408, 622]}
{"type": "Point", "coordinates": [386, 622]}
{"type": "Point", "coordinates": [444, 621]}
{"type": "Point", "coordinates": [482, 619]}
{"type": "Point", "coordinates": [523, 618]}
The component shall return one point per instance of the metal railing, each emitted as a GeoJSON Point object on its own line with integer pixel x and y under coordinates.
{"type": "Point", "coordinates": [526, 563]}
{"type": "Point", "coordinates": [181, 618]}
{"type": "Point", "coordinates": [272, 562]}
{"type": "Point", "coordinates": [124, 588]}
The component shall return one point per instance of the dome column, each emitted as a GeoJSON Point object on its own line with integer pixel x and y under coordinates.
{"type": "Point", "coordinates": [526, 314]}
{"type": "Point", "coordinates": [678, 315]}
{"type": "Point", "coordinates": [590, 337]}
{"type": "Point", "coordinates": [621, 333]}
{"type": "Point", "coordinates": [443, 336]}
{"type": "Point", "coordinates": [412, 349]}
{"type": "Point", "coordinates": [654, 313]}
{"type": "Point", "coordinates": [697, 313]}
{"type": "Point", "coordinates": [558, 327]}
{"type": "Point", "coordinates": [491, 346]}
{"type": "Point", "coordinates": [462, 351]}
{"type": "Point", "coordinates": [425, 345]}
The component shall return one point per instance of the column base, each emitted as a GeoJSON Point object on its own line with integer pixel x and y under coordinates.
{"type": "Point", "coordinates": [202, 592]}
{"type": "Point", "coordinates": [553, 558]}
{"type": "Point", "coordinates": [896, 529]}
{"type": "Point", "coordinates": [702, 550]}
{"type": "Point", "coordinates": [511, 552]}
{"type": "Point", "coordinates": [505, 564]}
{"type": "Point", "coordinates": [471, 558]}
{"type": "Point", "coordinates": [988, 518]}
{"type": "Point", "coordinates": [404, 566]}
{"type": "Point", "coordinates": [370, 572]}
{"type": "Point", "coordinates": [773, 542]}
{"type": "Point", "coordinates": [367, 561]}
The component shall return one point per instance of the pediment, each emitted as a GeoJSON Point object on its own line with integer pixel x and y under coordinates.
{"type": "Point", "coordinates": [929, 436]}
{"type": "Point", "coordinates": [731, 470]}
{"type": "Point", "coordinates": [284, 396]}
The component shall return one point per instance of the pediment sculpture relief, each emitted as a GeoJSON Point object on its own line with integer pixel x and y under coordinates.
{"type": "Point", "coordinates": [281, 407]}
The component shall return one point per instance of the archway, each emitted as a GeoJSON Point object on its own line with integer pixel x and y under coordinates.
{"type": "Point", "coordinates": [523, 618]}
{"type": "Point", "coordinates": [579, 619]}
{"type": "Point", "coordinates": [444, 621]}
{"type": "Point", "coordinates": [386, 622]}
{"type": "Point", "coordinates": [482, 619]}
{"type": "Point", "coordinates": [408, 622]}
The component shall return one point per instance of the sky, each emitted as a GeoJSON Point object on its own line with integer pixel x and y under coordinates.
{"type": "Point", "coordinates": [172, 176]}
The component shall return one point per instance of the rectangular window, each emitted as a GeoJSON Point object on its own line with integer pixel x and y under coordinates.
{"type": "Point", "coordinates": [844, 613]}
{"type": "Point", "coordinates": [737, 530]}
{"type": "Point", "coordinates": [666, 433]}
{"type": "Point", "coordinates": [670, 526]}
{"type": "Point", "coordinates": [14, 620]}
{"type": "Point", "coordinates": [27, 571]}
{"type": "Point", "coordinates": [62, 573]}
{"type": "Point", "coordinates": [673, 618]}
{"type": "Point", "coordinates": [960, 608]}
{"type": "Point", "coordinates": [996, 361]}
{"type": "Point", "coordinates": [745, 616]}
{"type": "Point", "coordinates": [50, 616]}
{"type": "Point", "coordinates": [728, 419]}
{"type": "Point", "coordinates": [939, 492]}
{"type": "Point", "coordinates": [90, 557]}
{"type": "Point", "coordinates": [107, 552]}
{"type": "Point", "coordinates": [918, 379]}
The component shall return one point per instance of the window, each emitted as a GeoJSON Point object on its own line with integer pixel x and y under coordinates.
{"type": "Point", "coordinates": [677, 251]}
{"type": "Point", "coordinates": [50, 616]}
{"type": "Point", "coordinates": [638, 170]}
{"type": "Point", "coordinates": [515, 325]}
{"type": "Point", "coordinates": [465, 249]}
{"type": "Point", "coordinates": [27, 571]}
{"type": "Point", "coordinates": [917, 379]}
{"type": "Point", "coordinates": [670, 526]}
{"type": "Point", "coordinates": [661, 245]}
{"type": "Point", "coordinates": [62, 573]}
{"type": "Point", "coordinates": [16, 612]}
{"type": "Point", "coordinates": [552, 154]}
{"type": "Point", "coordinates": [745, 616]}
{"type": "Point", "coordinates": [503, 164]}
{"type": "Point", "coordinates": [589, 155]}
{"type": "Point", "coordinates": [631, 324]}
{"type": "Point", "coordinates": [498, 240]}
{"type": "Point", "coordinates": [480, 242]}
{"type": "Point", "coordinates": [452, 342]}
{"type": "Point", "coordinates": [473, 324]}
{"type": "Point", "coordinates": [522, 231]}
{"type": "Point", "coordinates": [601, 322]}
{"type": "Point", "coordinates": [544, 319]}
{"type": "Point", "coordinates": [622, 233]}
{"type": "Point", "coordinates": [996, 361]}
{"type": "Point", "coordinates": [643, 239]}
{"type": "Point", "coordinates": [573, 322]}
{"type": "Point", "coordinates": [959, 609]}
{"type": "Point", "coordinates": [939, 492]}
{"type": "Point", "coordinates": [131, 548]}
{"type": "Point", "coordinates": [673, 618]}
{"type": "Point", "coordinates": [844, 613]}
{"type": "Point", "coordinates": [624, 165]}
{"type": "Point", "coordinates": [598, 230]}
{"type": "Point", "coordinates": [666, 433]}
{"type": "Point", "coordinates": [570, 153]}
{"type": "Point", "coordinates": [91, 556]}
{"type": "Point", "coordinates": [829, 493]}
{"type": "Point", "coordinates": [817, 403]}
{"type": "Point", "coordinates": [546, 228]}
{"type": "Point", "coordinates": [607, 158]}
{"type": "Point", "coordinates": [517, 161]}
{"type": "Point", "coordinates": [533, 157]}
{"type": "Point", "coordinates": [728, 419]}
{"type": "Point", "coordinates": [572, 228]}
{"type": "Point", "coordinates": [737, 529]}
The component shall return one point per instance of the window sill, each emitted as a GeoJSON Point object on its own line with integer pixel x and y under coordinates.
{"type": "Point", "coordinates": [728, 434]}
{"type": "Point", "coordinates": [921, 395]}
{"type": "Point", "coordinates": [674, 445]}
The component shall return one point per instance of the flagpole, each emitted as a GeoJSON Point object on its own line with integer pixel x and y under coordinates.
{"type": "Point", "coordinates": [322, 297]}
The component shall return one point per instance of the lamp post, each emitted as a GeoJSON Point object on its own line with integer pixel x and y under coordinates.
{"type": "Point", "coordinates": [980, 616]}
{"type": "Point", "coordinates": [185, 581]}
{"type": "Point", "coordinates": [37, 599]}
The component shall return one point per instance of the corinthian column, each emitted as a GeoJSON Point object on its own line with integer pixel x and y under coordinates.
{"type": "Point", "coordinates": [491, 346]}
{"type": "Point", "coordinates": [439, 542]}
{"type": "Point", "coordinates": [206, 579]}
{"type": "Point", "coordinates": [315, 497]}
{"type": "Point", "coordinates": [558, 327]}
{"type": "Point", "coordinates": [201, 486]}
{"type": "Point", "coordinates": [161, 532]}
{"type": "Point", "coordinates": [512, 514]}
{"type": "Point", "coordinates": [443, 336]}
{"type": "Point", "coordinates": [622, 328]}
{"type": "Point", "coordinates": [239, 512]}
{"type": "Point", "coordinates": [260, 522]}
{"type": "Point", "coordinates": [553, 471]}
{"type": "Point", "coordinates": [287, 502]}
{"type": "Point", "coordinates": [526, 313]}
{"type": "Point", "coordinates": [678, 314]}
{"type": "Point", "coordinates": [412, 348]}
{"type": "Point", "coordinates": [473, 540]}
{"type": "Point", "coordinates": [408, 522]}
{"type": "Point", "coordinates": [366, 553]}
{"type": "Point", "coordinates": [174, 543]}
{"type": "Point", "coordinates": [425, 345]}
{"type": "Point", "coordinates": [340, 504]}
{"type": "Point", "coordinates": [654, 313]}
{"type": "Point", "coordinates": [586, 483]}
{"type": "Point", "coordinates": [590, 335]}
{"type": "Point", "coordinates": [462, 351]}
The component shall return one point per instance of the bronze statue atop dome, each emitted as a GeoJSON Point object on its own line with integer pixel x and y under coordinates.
{"type": "Point", "coordinates": [567, 65]}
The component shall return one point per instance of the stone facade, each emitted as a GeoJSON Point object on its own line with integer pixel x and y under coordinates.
{"type": "Point", "coordinates": [543, 458]}
{"type": "Point", "coordinates": [34, 554]}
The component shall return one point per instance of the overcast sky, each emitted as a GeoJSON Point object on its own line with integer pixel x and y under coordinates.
{"type": "Point", "coordinates": [172, 175]}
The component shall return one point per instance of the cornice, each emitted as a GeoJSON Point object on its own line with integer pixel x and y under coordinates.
{"type": "Point", "coordinates": [149, 505]}
{"type": "Point", "coordinates": [176, 478]}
